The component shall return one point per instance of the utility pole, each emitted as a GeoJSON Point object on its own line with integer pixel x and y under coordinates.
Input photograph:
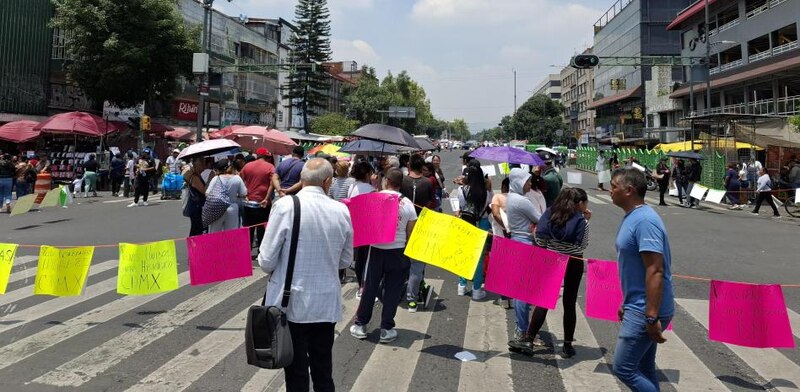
{"type": "Point", "coordinates": [206, 40]}
{"type": "Point", "coordinates": [708, 63]}
{"type": "Point", "coordinates": [515, 100]}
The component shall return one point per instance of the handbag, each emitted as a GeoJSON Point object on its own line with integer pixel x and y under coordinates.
{"type": "Point", "coordinates": [268, 341]}
{"type": "Point", "coordinates": [217, 202]}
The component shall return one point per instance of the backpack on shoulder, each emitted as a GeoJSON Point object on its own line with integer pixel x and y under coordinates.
{"type": "Point", "coordinates": [217, 202]}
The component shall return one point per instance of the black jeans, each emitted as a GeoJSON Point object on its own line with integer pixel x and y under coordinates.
{"type": "Point", "coordinates": [196, 224]}
{"type": "Point", "coordinates": [572, 282]}
{"type": "Point", "coordinates": [360, 253]}
{"type": "Point", "coordinates": [142, 188]}
{"type": "Point", "coordinates": [253, 216]}
{"type": "Point", "coordinates": [313, 348]}
{"type": "Point", "coordinates": [116, 182]}
{"type": "Point", "coordinates": [389, 266]}
{"type": "Point", "coordinates": [766, 196]}
{"type": "Point", "coordinates": [681, 185]}
{"type": "Point", "coordinates": [663, 186]}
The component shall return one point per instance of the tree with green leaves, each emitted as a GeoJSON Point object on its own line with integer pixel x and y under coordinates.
{"type": "Point", "coordinates": [333, 124]}
{"type": "Point", "coordinates": [537, 120]}
{"type": "Point", "coordinates": [126, 52]}
{"type": "Point", "coordinates": [308, 86]}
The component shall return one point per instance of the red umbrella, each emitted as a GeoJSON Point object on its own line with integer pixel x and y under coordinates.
{"type": "Point", "coordinates": [181, 134]}
{"type": "Point", "coordinates": [79, 123]}
{"type": "Point", "coordinates": [19, 131]}
{"type": "Point", "coordinates": [224, 131]}
{"type": "Point", "coordinates": [253, 137]}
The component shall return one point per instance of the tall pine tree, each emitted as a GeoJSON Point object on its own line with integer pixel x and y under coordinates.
{"type": "Point", "coordinates": [308, 86]}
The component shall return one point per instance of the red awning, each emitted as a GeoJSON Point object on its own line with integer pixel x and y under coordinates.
{"type": "Point", "coordinates": [688, 12]}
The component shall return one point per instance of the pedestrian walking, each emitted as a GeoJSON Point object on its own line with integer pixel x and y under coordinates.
{"type": "Point", "coordinates": [681, 183]}
{"type": "Point", "coordinates": [257, 176]}
{"type": "Point", "coordinates": [233, 185]}
{"type": "Point", "coordinates": [387, 268]}
{"type": "Point", "coordinates": [473, 201]}
{"type": "Point", "coordinates": [116, 173]}
{"type": "Point", "coordinates": [130, 175]}
{"type": "Point", "coordinates": [662, 170]}
{"type": "Point", "coordinates": [144, 171]}
{"type": "Point", "coordinates": [693, 176]}
{"type": "Point", "coordinates": [7, 172]}
{"type": "Point", "coordinates": [286, 180]}
{"type": "Point", "coordinates": [600, 166]}
{"type": "Point", "coordinates": [324, 245]}
{"type": "Point", "coordinates": [521, 216]}
{"type": "Point", "coordinates": [764, 192]}
{"type": "Point", "coordinates": [733, 186]}
{"type": "Point", "coordinates": [645, 265]}
{"type": "Point", "coordinates": [564, 228]}
{"type": "Point", "coordinates": [419, 190]}
{"type": "Point", "coordinates": [195, 195]}
{"type": "Point", "coordinates": [25, 175]}
{"type": "Point", "coordinates": [90, 169]}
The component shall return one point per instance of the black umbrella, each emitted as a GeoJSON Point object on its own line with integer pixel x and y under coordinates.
{"type": "Point", "coordinates": [369, 147]}
{"type": "Point", "coordinates": [387, 134]}
{"type": "Point", "coordinates": [685, 155]}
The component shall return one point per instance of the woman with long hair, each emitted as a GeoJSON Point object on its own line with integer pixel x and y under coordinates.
{"type": "Point", "coordinates": [234, 186]}
{"type": "Point", "coordinates": [564, 228]}
{"type": "Point", "coordinates": [428, 170]}
{"type": "Point", "coordinates": [473, 201]}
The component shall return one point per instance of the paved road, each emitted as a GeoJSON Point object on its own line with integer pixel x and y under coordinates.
{"type": "Point", "coordinates": [191, 338]}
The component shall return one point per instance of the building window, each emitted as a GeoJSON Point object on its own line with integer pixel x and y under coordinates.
{"type": "Point", "coordinates": [60, 41]}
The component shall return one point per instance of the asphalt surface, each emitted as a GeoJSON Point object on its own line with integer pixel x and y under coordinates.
{"type": "Point", "coordinates": [53, 343]}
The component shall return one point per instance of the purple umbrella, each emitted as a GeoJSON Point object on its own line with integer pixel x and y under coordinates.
{"type": "Point", "coordinates": [507, 154]}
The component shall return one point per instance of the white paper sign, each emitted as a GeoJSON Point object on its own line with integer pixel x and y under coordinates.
{"type": "Point", "coordinates": [574, 178]}
{"type": "Point", "coordinates": [489, 170]}
{"type": "Point", "coordinates": [673, 190]}
{"type": "Point", "coordinates": [698, 191]}
{"type": "Point", "coordinates": [715, 195]}
{"type": "Point", "coordinates": [525, 167]}
{"type": "Point", "coordinates": [638, 167]}
{"type": "Point", "coordinates": [797, 196]}
{"type": "Point", "coordinates": [604, 176]}
{"type": "Point", "coordinates": [454, 204]}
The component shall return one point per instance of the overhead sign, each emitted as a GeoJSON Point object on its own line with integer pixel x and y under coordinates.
{"type": "Point", "coordinates": [402, 112]}
{"type": "Point", "coordinates": [115, 113]}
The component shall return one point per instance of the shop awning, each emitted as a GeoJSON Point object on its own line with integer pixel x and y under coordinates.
{"type": "Point", "coordinates": [699, 144]}
{"type": "Point", "coordinates": [689, 12]}
{"type": "Point", "coordinates": [625, 94]}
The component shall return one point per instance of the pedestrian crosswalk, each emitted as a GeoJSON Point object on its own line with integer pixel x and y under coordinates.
{"type": "Point", "coordinates": [192, 339]}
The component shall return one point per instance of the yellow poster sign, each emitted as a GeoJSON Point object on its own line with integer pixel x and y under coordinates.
{"type": "Point", "coordinates": [7, 253]}
{"type": "Point", "coordinates": [51, 198]}
{"type": "Point", "coordinates": [23, 204]}
{"type": "Point", "coordinates": [505, 169]}
{"type": "Point", "coordinates": [62, 272]}
{"type": "Point", "coordinates": [147, 268]}
{"type": "Point", "coordinates": [447, 242]}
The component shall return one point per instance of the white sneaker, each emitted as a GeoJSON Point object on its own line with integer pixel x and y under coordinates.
{"type": "Point", "coordinates": [478, 294]}
{"type": "Point", "coordinates": [358, 294]}
{"type": "Point", "coordinates": [359, 332]}
{"type": "Point", "coordinates": [132, 205]}
{"type": "Point", "coordinates": [462, 290]}
{"type": "Point", "coordinates": [144, 203]}
{"type": "Point", "coordinates": [388, 335]}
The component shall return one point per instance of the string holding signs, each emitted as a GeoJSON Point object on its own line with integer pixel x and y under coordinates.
{"type": "Point", "coordinates": [147, 268]}
{"type": "Point", "coordinates": [7, 254]}
{"type": "Point", "coordinates": [446, 242]}
{"type": "Point", "coordinates": [218, 257]}
{"type": "Point", "coordinates": [750, 315]}
{"type": "Point", "coordinates": [373, 217]}
{"type": "Point", "coordinates": [62, 272]}
{"type": "Point", "coordinates": [525, 272]}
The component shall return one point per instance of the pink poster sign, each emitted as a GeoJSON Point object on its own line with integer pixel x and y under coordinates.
{"type": "Point", "coordinates": [603, 290]}
{"type": "Point", "coordinates": [218, 257]}
{"type": "Point", "coordinates": [374, 217]}
{"type": "Point", "coordinates": [750, 315]}
{"type": "Point", "coordinates": [525, 272]}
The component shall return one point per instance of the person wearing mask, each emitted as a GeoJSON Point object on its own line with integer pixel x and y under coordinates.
{"type": "Point", "coordinates": [233, 185]}
{"type": "Point", "coordinates": [144, 171]}
{"type": "Point", "coordinates": [7, 172]}
{"type": "Point", "coordinates": [342, 182]}
{"type": "Point", "coordinates": [286, 179]}
{"type": "Point", "coordinates": [663, 170]}
{"type": "Point", "coordinates": [521, 216]}
{"type": "Point", "coordinates": [564, 228]}
{"type": "Point", "coordinates": [679, 172]}
{"type": "Point", "coordinates": [324, 245]}
{"type": "Point", "coordinates": [733, 186]}
{"type": "Point", "coordinates": [25, 175]}
{"type": "Point", "coordinates": [130, 175]}
{"type": "Point", "coordinates": [764, 192]}
{"type": "Point", "coordinates": [473, 203]}
{"type": "Point", "coordinates": [117, 174]}
{"type": "Point", "coordinates": [257, 176]}
{"type": "Point", "coordinates": [419, 190]}
{"type": "Point", "coordinates": [600, 166]}
{"type": "Point", "coordinates": [551, 178]}
{"type": "Point", "coordinates": [695, 172]}
{"type": "Point", "coordinates": [388, 268]}
{"type": "Point", "coordinates": [645, 269]}
{"type": "Point", "coordinates": [91, 167]}
{"type": "Point", "coordinates": [196, 186]}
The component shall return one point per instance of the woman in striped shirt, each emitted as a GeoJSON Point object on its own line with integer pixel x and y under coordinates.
{"type": "Point", "coordinates": [564, 228]}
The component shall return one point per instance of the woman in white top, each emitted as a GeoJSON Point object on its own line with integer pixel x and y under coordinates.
{"type": "Point", "coordinates": [599, 167]}
{"type": "Point", "coordinates": [765, 193]}
{"type": "Point", "coordinates": [237, 191]}
{"type": "Point", "coordinates": [535, 195]}
{"type": "Point", "coordinates": [499, 219]}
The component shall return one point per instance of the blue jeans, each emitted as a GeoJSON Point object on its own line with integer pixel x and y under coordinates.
{"type": "Point", "coordinates": [522, 309]}
{"type": "Point", "coordinates": [478, 278]}
{"type": "Point", "coordinates": [23, 188]}
{"type": "Point", "coordinates": [5, 191]}
{"type": "Point", "coordinates": [635, 355]}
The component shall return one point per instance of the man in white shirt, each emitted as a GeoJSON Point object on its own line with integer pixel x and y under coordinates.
{"type": "Point", "coordinates": [387, 263]}
{"type": "Point", "coordinates": [325, 244]}
{"type": "Point", "coordinates": [174, 164]}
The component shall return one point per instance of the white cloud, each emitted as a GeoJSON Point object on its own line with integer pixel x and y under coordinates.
{"type": "Point", "coordinates": [358, 50]}
{"type": "Point", "coordinates": [539, 15]}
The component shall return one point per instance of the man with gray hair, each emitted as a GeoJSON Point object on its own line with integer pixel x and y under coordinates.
{"type": "Point", "coordinates": [325, 245]}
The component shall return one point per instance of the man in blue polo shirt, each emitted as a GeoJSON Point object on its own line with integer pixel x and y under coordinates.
{"type": "Point", "coordinates": [645, 269]}
{"type": "Point", "coordinates": [286, 179]}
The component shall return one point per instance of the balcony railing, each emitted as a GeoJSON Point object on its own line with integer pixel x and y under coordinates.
{"type": "Point", "coordinates": [758, 10]}
{"type": "Point", "coordinates": [785, 48]}
{"type": "Point", "coordinates": [731, 65]}
{"type": "Point", "coordinates": [784, 106]}
{"type": "Point", "coordinates": [776, 2]}
{"type": "Point", "coordinates": [760, 56]}
{"type": "Point", "coordinates": [713, 71]}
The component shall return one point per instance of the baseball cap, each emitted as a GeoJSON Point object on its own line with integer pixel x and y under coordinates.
{"type": "Point", "coordinates": [262, 151]}
{"type": "Point", "coordinates": [176, 150]}
{"type": "Point", "coordinates": [546, 157]}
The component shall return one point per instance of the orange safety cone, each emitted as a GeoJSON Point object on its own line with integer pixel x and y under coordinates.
{"type": "Point", "coordinates": [43, 183]}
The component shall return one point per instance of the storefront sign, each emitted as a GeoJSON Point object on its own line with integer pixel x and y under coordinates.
{"type": "Point", "coordinates": [185, 110]}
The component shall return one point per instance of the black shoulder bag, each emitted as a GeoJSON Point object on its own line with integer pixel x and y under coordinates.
{"type": "Point", "coordinates": [268, 341]}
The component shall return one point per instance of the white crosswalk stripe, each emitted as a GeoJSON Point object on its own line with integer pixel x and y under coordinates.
{"type": "Point", "coordinates": [484, 334]}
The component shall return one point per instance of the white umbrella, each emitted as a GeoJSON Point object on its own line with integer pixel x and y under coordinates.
{"type": "Point", "coordinates": [548, 150]}
{"type": "Point", "coordinates": [208, 147]}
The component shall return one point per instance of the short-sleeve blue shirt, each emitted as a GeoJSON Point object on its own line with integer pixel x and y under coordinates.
{"type": "Point", "coordinates": [642, 230]}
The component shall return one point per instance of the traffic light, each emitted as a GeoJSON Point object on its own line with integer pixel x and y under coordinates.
{"type": "Point", "coordinates": [145, 123]}
{"type": "Point", "coordinates": [584, 61]}
{"type": "Point", "coordinates": [133, 123]}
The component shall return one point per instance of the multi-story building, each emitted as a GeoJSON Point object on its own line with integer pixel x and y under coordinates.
{"type": "Point", "coordinates": [550, 86]}
{"type": "Point", "coordinates": [577, 89]}
{"type": "Point", "coordinates": [339, 83]}
{"type": "Point", "coordinates": [754, 57]}
{"type": "Point", "coordinates": [630, 28]}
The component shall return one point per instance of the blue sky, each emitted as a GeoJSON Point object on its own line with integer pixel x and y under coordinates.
{"type": "Point", "coordinates": [461, 51]}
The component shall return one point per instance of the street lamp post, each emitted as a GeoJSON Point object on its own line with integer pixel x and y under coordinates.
{"type": "Point", "coordinates": [708, 61]}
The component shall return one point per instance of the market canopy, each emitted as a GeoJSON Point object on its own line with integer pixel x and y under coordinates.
{"type": "Point", "coordinates": [726, 143]}
{"type": "Point", "coordinates": [19, 131]}
{"type": "Point", "coordinates": [77, 123]}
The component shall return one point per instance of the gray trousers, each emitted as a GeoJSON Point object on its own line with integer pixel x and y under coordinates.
{"type": "Point", "coordinates": [415, 275]}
